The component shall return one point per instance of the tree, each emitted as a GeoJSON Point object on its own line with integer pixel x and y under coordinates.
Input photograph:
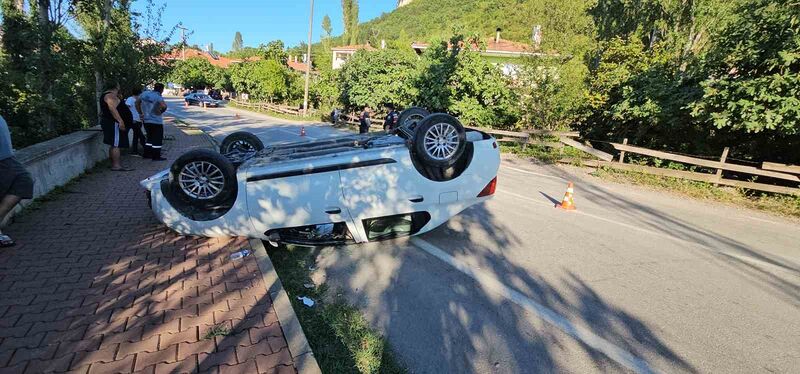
{"type": "Point", "coordinates": [459, 81]}
{"type": "Point", "coordinates": [237, 42]}
{"type": "Point", "coordinates": [350, 21]}
{"type": "Point", "coordinates": [378, 78]}
{"type": "Point", "coordinates": [326, 26]}
{"type": "Point", "coordinates": [266, 79]}
{"type": "Point", "coordinates": [274, 50]}
{"type": "Point", "coordinates": [197, 72]}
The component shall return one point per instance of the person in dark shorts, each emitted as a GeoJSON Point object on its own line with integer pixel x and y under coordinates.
{"type": "Point", "coordinates": [138, 135]}
{"type": "Point", "coordinates": [115, 133]}
{"type": "Point", "coordinates": [152, 106]}
{"type": "Point", "coordinates": [391, 118]}
{"type": "Point", "coordinates": [364, 121]}
{"type": "Point", "coordinates": [15, 182]}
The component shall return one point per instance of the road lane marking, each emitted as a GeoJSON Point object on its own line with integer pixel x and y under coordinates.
{"type": "Point", "coordinates": [582, 334]}
{"type": "Point", "coordinates": [656, 233]}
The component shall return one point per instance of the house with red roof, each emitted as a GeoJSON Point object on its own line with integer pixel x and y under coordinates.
{"type": "Point", "coordinates": [343, 53]}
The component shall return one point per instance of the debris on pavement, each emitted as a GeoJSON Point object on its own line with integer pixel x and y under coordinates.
{"type": "Point", "coordinates": [240, 254]}
{"type": "Point", "coordinates": [306, 301]}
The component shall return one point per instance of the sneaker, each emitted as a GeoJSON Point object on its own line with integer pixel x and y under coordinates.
{"type": "Point", "coordinates": [135, 154]}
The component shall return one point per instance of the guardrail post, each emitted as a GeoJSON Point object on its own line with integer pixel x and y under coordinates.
{"type": "Point", "coordinates": [622, 153]}
{"type": "Point", "coordinates": [722, 160]}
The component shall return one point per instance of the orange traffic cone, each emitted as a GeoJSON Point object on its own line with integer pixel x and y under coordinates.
{"type": "Point", "coordinates": [302, 131]}
{"type": "Point", "coordinates": [185, 104]}
{"type": "Point", "coordinates": [567, 203]}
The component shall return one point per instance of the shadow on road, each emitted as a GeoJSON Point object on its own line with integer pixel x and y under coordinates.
{"type": "Point", "coordinates": [443, 321]}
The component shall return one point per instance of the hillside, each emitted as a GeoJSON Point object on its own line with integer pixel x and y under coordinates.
{"type": "Point", "coordinates": [562, 21]}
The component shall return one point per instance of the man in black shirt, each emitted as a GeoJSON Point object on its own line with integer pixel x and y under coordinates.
{"type": "Point", "coordinates": [365, 121]}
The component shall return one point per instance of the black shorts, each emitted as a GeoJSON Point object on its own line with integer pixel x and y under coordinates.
{"type": "Point", "coordinates": [113, 136]}
{"type": "Point", "coordinates": [14, 179]}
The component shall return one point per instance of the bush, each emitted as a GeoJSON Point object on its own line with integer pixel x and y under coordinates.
{"type": "Point", "coordinates": [378, 78]}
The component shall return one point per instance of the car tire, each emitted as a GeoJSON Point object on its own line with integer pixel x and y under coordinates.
{"type": "Point", "coordinates": [439, 140]}
{"type": "Point", "coordinates": [241, 141]}
{"type": "Point", "coordinates": [409, 119]}
{"type": "Point", "coordinates": [203, 178]}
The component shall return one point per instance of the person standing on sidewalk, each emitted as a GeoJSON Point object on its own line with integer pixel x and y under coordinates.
{"type": "Point", "coordinates": [151, 106]}
{"type": "Point", "coordinates": [15, 182]}
{"type": "Point", "coordinates": [115, 134]}
{"type": "Point", "coordinates": [138, 135]}
{"type": "Point", "coordinates": [364, 121]}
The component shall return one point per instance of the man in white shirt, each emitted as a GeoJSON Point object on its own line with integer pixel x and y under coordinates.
{"type": "Point", "coordinates": [151, 107]}
{"type": "Point", "coordinates": [138, 135]}
{"type": "Point", "coordinates": [15, 182]}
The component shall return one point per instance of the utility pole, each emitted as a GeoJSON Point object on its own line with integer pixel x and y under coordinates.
{"type": "Point", "coordinates": [308, 59]}
{"type": "Point", "coordinates": [183, 42]}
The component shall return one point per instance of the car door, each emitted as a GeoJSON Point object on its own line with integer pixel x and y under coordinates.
{"type": "Point", "coordinates": [295, 197]}
{"type": "Point", "coordinates": [385, 185]}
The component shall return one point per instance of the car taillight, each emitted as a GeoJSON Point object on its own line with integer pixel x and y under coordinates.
{"type": "Point", "coordinates": [489, 189]}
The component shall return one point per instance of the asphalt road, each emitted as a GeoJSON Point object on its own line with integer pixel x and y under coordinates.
{"type": "Point", "coordinates": [635, 280]}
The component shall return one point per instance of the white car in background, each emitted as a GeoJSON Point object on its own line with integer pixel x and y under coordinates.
{"type": "Point", "coordinates": [348, 189]}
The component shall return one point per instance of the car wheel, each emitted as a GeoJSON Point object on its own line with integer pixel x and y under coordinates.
{"type": "Point", "coordinates": [242, 141]}
{"type": "Point", "coordinates": [203, 178]}
{"type": "Point", "coordinates": [439, 140]}
{"type": "Point", "coordinates": [409, 119]}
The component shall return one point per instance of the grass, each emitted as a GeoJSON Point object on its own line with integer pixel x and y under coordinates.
{"type": "Point", "coordinates": [783, 205]}
{"type": "Point", "coordinates": [218, 330]}
{"type": "Point", "coordinates": [342, 340]}
{"type": "Point", "coordinates": [548, 155]}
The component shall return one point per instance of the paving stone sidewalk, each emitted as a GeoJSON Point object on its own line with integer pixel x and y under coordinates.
{"type": "Point", "coordinates": [98, 285]}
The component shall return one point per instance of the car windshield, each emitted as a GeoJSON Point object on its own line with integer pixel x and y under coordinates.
{"type": "Point", "coordinates": [204, 97]}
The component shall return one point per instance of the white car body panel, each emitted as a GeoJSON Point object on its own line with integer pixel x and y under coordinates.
{"type": "Point", "coordinates": [358, 183]}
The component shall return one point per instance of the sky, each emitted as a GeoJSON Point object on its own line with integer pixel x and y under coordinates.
{"type": "Point", "coordinates": [259, 21]}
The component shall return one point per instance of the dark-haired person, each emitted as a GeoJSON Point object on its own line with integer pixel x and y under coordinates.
{"type": "Point", "coordinates": [391, 118]}
{"type": "Point", "coordinates": [138, 135]}
{"type": "Point", "coordinates": [15, 182]}
{"type": "Point", "coordinates": [151, 106]}
{"type": "Point", "coordinates": [364, 121]}
{"type": "Point", "coordinates": [115, 133]}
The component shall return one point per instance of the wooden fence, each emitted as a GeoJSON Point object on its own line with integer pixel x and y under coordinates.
{"type": "Point", "coordinates": [285, 109]}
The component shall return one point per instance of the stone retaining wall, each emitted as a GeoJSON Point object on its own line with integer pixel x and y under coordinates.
{"type": "Point", "coordinates": [55, 162]}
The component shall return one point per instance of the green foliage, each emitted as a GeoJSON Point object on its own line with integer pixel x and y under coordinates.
{"type": "Point", "coordinates": [754, 69]}
{"type": "Point", "coordinates": [350, 21]}
{"type": "Point", "coordinates": [377, 78]}
{"type": "Point", "coordinates": [324, 90]}
{"type": "Point", "coordinates": [550, 93]}
{"type": "Point", "coordinates": [197, 72]}
{"type": "Point", "coordinates": [266, 80]}
{"type": "Point", "coordinates": [50, 76]}
{"type": "Point", "coordinates": [326, 26]}
{"type": "Point", "coordinates": [238, 43]}
{"type": "Point", "coordinates": [641, 94]}
{"type": "Point", "coordinates": [275, 50]}
{"type": "Point", "coordinates": [461, 82]}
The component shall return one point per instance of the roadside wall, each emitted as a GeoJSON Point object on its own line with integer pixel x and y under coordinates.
{"type": "Point", "coordinates": [55, 162]}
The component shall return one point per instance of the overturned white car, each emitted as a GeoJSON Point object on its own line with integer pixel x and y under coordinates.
{"type": "Point", "coordinates": [340, 190]}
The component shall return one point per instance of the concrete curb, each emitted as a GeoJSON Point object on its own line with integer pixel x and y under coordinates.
{"type": "Point", "coordinates": [299, 349]}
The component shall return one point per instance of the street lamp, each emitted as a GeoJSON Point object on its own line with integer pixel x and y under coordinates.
{"type": "Point", "coordinates": [308, 59]}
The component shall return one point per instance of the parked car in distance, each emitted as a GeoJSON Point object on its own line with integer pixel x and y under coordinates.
{"type": "Point", "coordinates": [200, 99]}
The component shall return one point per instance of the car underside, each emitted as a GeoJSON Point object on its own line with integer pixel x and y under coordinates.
{"type": "Point", "coordinates": [346, 189]}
